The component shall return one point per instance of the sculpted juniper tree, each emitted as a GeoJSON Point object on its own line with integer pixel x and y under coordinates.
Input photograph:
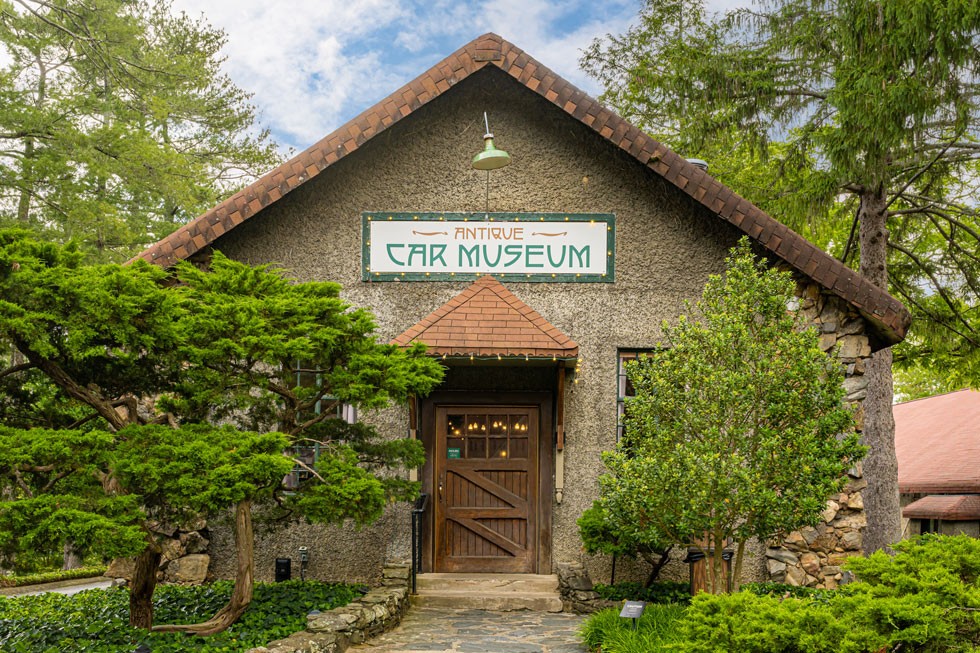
{"type": "Point", "coordinates": [268, 353]}
{"type": "Point", "coordinates": [108, 493]}
{"type": "Point", "coordinates": [877, 104]}
{"type": "Point", "coordinates": [142, 353]}
{"type": "Point", "coordinates": [737, 429]}
{"type": "Point", "coordinates": [116, 122]}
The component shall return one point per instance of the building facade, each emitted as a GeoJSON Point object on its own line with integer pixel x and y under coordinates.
{"type": "Point", "coordinates": [532, 283]}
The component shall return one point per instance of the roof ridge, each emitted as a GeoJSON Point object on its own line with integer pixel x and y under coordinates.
{"type": "Point", "coordinates": [889, 316]}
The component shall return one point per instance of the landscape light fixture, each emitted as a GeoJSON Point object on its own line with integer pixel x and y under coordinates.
{"type": "Point", "coordinates": [489, 159]}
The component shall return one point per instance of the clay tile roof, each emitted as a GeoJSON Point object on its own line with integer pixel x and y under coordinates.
{"type": "Point", "coordinates": [947, 507]}
{"type": "Point", "coordinates": [937, 441]}
{"type": "Point", "coordinates": [487, 320]}
{"type": "Point", "coordinates": [884, 311]}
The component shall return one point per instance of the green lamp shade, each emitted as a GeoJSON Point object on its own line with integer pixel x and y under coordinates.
{"type": "Point", "coordinates": [490, 158]}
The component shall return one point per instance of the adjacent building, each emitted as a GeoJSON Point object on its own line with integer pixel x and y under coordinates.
{"type": "Point", "coordinates": [937, 440]}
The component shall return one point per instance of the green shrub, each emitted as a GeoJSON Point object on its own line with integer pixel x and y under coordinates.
{"type": "Point", "coordinates": [96, 621]}
{"type": "Point", "coordinates": [663, 592]}
{"type": "Point", "coordinates": [656, 630]}
{"type": "Point", "coordinates": [924, 599]}
{"type": "Point", "coordinates": [746, 623]}
{"type": "Point", "coordinates": [785, 590]}
{"type": "Point", "coordinates": [51, 576]}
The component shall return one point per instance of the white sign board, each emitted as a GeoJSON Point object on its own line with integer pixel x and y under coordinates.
{"type": "Point", "coordinates": [531, 247]}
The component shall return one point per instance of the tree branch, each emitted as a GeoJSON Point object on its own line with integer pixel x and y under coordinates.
{"type": "Point", "coordinates": [932, 277]}
{"type": "Point", "coordinates": [16, 368]}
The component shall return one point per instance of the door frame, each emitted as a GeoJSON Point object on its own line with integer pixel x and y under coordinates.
{"type": "Point", "coordinates": [544, 402]}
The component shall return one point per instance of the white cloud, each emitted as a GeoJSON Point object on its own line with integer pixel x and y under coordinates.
{"type": "Point", "coordinates": [314, 64]}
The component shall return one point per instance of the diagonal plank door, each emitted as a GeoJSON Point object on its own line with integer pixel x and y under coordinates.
{"type": "Point", "coordinates": [486, 477]}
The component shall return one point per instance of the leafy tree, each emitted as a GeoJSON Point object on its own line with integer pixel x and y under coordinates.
{"type": "Point", "coordinates": [876, 102]}
{"type": "Point", "coordinates": [52, 484]}
{"type": "Point", "coordinates": [737, 429]}
{"type": "Point", "coordinates": [139, 347]}
{"type": "Point", "coordinates": [602, 532]}
{"type": "Point", "coordinates": [105, 335]}
{"type": "Point", "coordinates": [116, 122]}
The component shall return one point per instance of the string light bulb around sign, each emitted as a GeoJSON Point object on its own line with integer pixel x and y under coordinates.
{"type": "Point", "coordinates": [489, 159]}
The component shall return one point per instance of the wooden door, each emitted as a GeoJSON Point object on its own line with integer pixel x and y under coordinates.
{"type": "Point", "coordinates": [486, 488]}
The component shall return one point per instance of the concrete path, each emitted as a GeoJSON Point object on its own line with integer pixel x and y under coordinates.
{"type": "Point", "coordinates": [62, 587]}
{"type": "Point", "coordinates": [430, 630]}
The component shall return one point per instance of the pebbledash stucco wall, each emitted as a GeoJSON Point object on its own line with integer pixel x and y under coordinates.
{"type": "Point", "coordinates": [666, 246]}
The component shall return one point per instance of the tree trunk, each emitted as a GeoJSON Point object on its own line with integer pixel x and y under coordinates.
{"type": "Point", "coordinates": [27, 179]}
{"type": "Point", "coordinates": [241, 594]}
{"type": "Point", "coordinates": [70, 556]}
{"type": "Point", "coordinates": [142, 586]}
{"type": "Point", "coordinates": [73, 389]}
{"type": "Point", "coordinates": [27, 164]}
{"type": "Point", "coordinates": [881, 503]}
{"type": "Point", "coordinates": [657, 562]}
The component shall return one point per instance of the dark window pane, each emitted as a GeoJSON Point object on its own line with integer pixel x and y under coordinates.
{"type": "Point", "coordinates": [476, 448]}
{"type": "Point", "coordinates": [498, 448]}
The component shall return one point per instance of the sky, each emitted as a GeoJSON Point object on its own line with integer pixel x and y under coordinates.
{"type": "Point", "coordinates": [313, 65]}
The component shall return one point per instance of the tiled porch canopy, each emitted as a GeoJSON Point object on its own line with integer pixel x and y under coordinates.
{"type": "Point", "coordinates": [487, 321]}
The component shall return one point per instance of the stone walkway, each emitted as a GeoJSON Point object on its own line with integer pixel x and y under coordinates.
{"type": "Point", "coordinates": [430, 630]}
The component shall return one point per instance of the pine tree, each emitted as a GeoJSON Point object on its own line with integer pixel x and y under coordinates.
{"type": "Point", "coordinates": [116, 122]}
{"type": "Point", "coordinates": [876, 105]}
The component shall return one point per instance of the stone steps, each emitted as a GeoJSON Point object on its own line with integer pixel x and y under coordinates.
{"type": "Point", "coordinates": [497, 592]}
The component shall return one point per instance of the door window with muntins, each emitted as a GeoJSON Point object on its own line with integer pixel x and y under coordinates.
{"type": "Point", "coordinates": [481, 437]}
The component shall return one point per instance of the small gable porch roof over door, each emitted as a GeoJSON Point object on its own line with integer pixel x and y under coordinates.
{"type": "Point", "coordinates": [486, 320]}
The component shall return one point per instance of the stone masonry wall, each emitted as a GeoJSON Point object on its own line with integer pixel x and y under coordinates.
{"type": "Point", "coordinates": [812, 556]}
{"type": "Point", "coordinates": [334, 631]}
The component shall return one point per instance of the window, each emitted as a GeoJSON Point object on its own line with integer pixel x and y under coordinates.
{"type": "Point", "coordinates": [624, 388]}
{"type": "Point", "coordinates": [484, 436]}
{"type": "Point", "coordinates": [310, 378]}
{"type": "Point", "coordinates": [929, 526]}
{"type": "Point", "coordinates": [310, 454]}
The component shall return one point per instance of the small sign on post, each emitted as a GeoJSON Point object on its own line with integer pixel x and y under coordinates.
{"type": "Point", "coordinates": [633, 610]}
{"type": "Point", "coordinates": [453, 452]}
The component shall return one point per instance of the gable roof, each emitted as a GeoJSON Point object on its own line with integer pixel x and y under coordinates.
{"type": "Point", "coordinates": [487, 320]}
{"type": "Point", "coordinates": [937, 441]}
{"type": "Point", "coordinates": [884, 311]}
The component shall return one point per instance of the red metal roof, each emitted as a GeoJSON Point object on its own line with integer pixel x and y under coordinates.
{"type": "Point", "coordinates": [947, 507]}
{"type": "Point", "coordinates": [889, 316]}
{"type": "Point", "coordinates": [487, 320]}
{"type": "Point", "coordinates": [937, 440]}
